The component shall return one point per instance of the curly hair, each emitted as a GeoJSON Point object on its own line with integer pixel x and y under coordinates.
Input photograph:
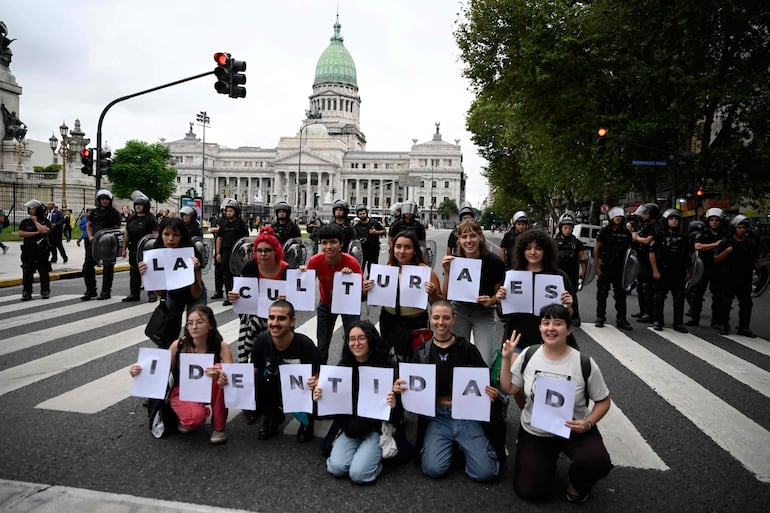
{"type": "Point", "coordinates": [543, 241]}
{"type": "Point", "coordinates": [379, 353]}
{"type": "Point", "coordinates": [417, 259]}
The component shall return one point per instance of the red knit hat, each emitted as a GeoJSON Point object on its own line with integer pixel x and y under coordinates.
{"type": "Point", "coordinates": [266, 234]}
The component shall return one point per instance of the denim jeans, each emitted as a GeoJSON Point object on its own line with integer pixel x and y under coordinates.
{"type": "Point", "coordinates": [325, 328]}
{"type": "Point", "coordinates": [480, 458]}
{"type": "Point", "coordinates": [481, 320]}
{"type": "Point", "coordinates": [358, 458]}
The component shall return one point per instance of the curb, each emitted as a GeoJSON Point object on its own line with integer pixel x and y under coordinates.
{"type": "Point", "coordinates": [62, 275]}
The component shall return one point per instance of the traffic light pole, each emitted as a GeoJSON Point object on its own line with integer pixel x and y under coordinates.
{"type": "Point", "coordinates": [122, 98]}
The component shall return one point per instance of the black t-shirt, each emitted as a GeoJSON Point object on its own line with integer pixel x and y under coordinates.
{"type": "Point", "coordinates": [569, 253]}
{"type": "Point", "coordinates": [231, 231]}
{"type": "Point", "coordinates": [739, 263]}
{"type": "Point", "coordinates": [103, 218]}
{"type": "Point", "coordinates": [643, 250]}
{"type": "Point", "coordinates": [614, 244]}
{"type": "Point", "coordinates": [348, 233]}
{"type": "Point", "coordinates": [401, 225]}
{"type": "Point", "coordinates": [707, 256]}
{"type": "Point", "coordinates": [267, 358]}
{"type": "Point", "coordinates": [671, 251]}
{"type": "Point", "coordinates": [362, 232]}
{"type": "Point", "coordinates": [460, 354]}
{"type": "Point", "coordinates": [139, 226]}
{"type": "Point", "coordinates": [37, 242]}
{"type": "Point", "coordinates": [508, 243]}
{"type": "Point", "coordinates": [492, 274]}
{"type": "Point", "coordinates": [286, 231]}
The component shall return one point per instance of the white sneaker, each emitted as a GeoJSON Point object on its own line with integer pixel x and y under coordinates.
{"type": "Point", "coordinates": [218, 437]}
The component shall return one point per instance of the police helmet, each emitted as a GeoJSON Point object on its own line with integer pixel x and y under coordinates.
{"type": "Point", "coordinates": [715, 212]}
{"type": "Point", "coordinates": [341, 204]}
{"type": "Point", "coordinates": [361, 207]}
{"type": "Point", "coordinates": [409, 207]}
{"type": "Point", "coordinates": [103, 193]}
{"type": "Point", "coordinates": [231, 203]}
{"type": "Point", "coordinates": [466, 210]}
{"type": "Point", "coordinates": [696, 230]}
{"type": "Point", "coordinates": [37, 206]}
{"type": "Point", "coordinates": [739, 219]}
{"type": "Point", "coordinates": [139, 198]}
{"type": "Point", "coordinates": [652, 209]}
{"type": "Point", "coordinates": [616, 212]}
{"type": "Point", "coordinates": [395, 210]}
{"type": "Point", "coordinates": [187, 210]}
{"type": "Point", "coordinates": [520, 216]}
{"type": "Point", "coordinates": [567, 218]}
{"type": "Point", "coordinates": [282, 205]}
{"type": "Point", "coordinates": [672, 212]}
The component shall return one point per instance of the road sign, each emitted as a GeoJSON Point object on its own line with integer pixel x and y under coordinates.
{"type": "Point", "coordinates": [650, 163]}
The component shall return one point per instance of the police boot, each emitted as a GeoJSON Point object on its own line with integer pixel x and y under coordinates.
{"type": "Point", "coordinates": [104, 295]}
{"type": "Point", "coordinates": [679, 316]}
{"type": "Point", "coordinates": [646, 299]}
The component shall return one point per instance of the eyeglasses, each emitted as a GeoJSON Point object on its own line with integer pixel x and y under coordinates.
{"type": "Point", "coordinates": [359, 338]}
{"type": "Point", "coordinates": [263, 251]}
{"type": "Point", "coordinates": [195, 324]}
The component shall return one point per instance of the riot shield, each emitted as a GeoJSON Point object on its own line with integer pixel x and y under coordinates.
{"type": "Point", "coordinates": [203, 250]}
{"type": "Point", "coordinates": [145, 243]}
{"type": "Point", "coordinates": [428, 248]}
{"type": "Point", "coordinates": [107, 245]}
{"type": "Point", "coordinates": [356, 251]}
{"type": "Point", "coordinates": [241, 255]}
{"type": "Point", "coordinates": [590, 272]}
{"type": "Point", "coordinates": [697, 272]}
{"type": "Point", "coordinates": [760, 278]}
{"type": "Point", "coordinates": [297, 252]}
{"type": "Point", "coordinates": [630, 268]}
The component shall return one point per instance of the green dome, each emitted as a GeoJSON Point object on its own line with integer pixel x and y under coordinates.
{"type": "Point", "coordinates": [335, 63]}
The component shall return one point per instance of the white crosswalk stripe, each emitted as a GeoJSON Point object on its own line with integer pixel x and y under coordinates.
{"type": "Point", "coordinates": [743, 438]}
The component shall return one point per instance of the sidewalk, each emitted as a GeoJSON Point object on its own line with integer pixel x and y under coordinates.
{"type": "Point", "coordinates": [10, 264]}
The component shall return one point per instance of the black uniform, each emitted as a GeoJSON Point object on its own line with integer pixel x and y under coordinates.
{"type": "Point", "coordinates": [402, 225]}
{"type": "Point", "coordinates": [348, 234]}
{"type": "Point", "coordinates": [671, 250]}
{"type": "Point", "coordinates": [230, 232]}
{"type": "Point", "coordinates": [569, 262]}
{"type": "Point", "coordinates": [508, 243]}
{"type": "Point", "coordinates": [286, 231]}
{"type": "Point", "coordinates": [218, 281]}
{"type": "Point", "coordinates": [644, 279]}
{"type": "Point", "coordinates": [34, 257]}
{"type": "Point", "coordinates": [101, 219]}
{"type": "Point", "coordinates": [734, 277]}
{"type": "Point", "coordinates": [370, 243]}
{"type": "Point", "coordinates": [136, 228]}
{"type": "Point", "coordinates": [614, 244]}
{"type": "Point", "coordinates": [696, 294]}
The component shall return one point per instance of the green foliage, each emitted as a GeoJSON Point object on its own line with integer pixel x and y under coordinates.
{"type": "Point", "coordinates": [50, 168]}
{"type": "Point", "coordinates": [674, 78]}
{"type": "Point", "coordinates": [448, 207]}
{"type": "Point", "coordinates": [142, 166]}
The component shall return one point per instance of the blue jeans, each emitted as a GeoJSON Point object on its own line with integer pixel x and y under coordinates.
{"type": "Point", "coordinates": [442, 431]}
{"type": "Point", "coordinates": [481, 320]}
{"type": "Point", "coordinates": [358, 458]}
{"type": "Point", "coordinates": [325, 328]}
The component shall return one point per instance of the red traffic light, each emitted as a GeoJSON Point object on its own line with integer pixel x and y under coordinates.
{"type": "Point", "coordinates": [699, 192]}
{"type": "Point", "coordinates": [603, 132]}
{"type": "Point", "coordinates": [221, 58]}
{"type": "Point", "coordinates": [85, 153]}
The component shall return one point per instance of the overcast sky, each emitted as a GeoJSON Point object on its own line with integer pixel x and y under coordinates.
{"type": "Point", "coordinates": [72, 58]}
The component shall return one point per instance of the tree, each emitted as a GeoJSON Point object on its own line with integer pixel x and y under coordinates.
{"type": "Point", "coordinates": [142, 166]}
{"type": "Point", "coordinates": [448, 207]}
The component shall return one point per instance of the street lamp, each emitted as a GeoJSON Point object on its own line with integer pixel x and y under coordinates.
{"type": "Point", "coordinates": [70, 144]}
{"type": "Point", "coordinates": [314, 114]}
{"type": "Point", "coordinates": [203, 121]}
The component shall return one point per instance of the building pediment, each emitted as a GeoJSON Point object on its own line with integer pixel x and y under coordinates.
{"type": "Point", "coordinates": [309, 158]}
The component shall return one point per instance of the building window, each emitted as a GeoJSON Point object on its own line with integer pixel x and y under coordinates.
{"type": "Point", "coordinates": [189, 179]}
{"type": "Point", "coordinates": [433, 184]}
{"type": "Point", "coordinates": [363, 166]}
{"type": "Point", "coordinates": [434, 162]}
{"type": "Point", "coordinates": [375, 165]}
{"type": "Point", "coordinates": [446, 184]}
{"type": "Point", "coordinates": [422, 201]}
{"type": "Point", "coordinates": [448, 162]}
{"type": "Point", "coordinates": [422, 184]}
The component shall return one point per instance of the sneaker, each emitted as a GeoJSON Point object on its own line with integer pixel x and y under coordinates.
{"type": "Point", "coordinates": [305, 433]}
{"type": "Point", "coordinates": [152, 297]}
{"type": "Point", "coordinates": [623, 324]}
{"type": "Point", "coordinates": [218, 437]}
{"type": "Point", "coordinates": [218, 295]}
{"type": "Point", "coordinates": [574, 497]}
{"type": "Point", "coordinates": [130, 299]}
{"type": "Point", "coordinates": [680, 328]}
{"type": "Point", "coordinates": [746, 333]}
{"type": "Point", "coordinates": [26, 296]}
{"type": "Point", "coordinates": [270, 426]}
{"type": "Point", "coordinates": [226, 302]}
{"type": "Point", "coordinates": [65, 260]}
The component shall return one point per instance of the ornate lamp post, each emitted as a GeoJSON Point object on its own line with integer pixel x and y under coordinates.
{"type": "Point", "coordinates": [203, 120]}
{"type": "Point", "coordinates": [311, 115]}
{"type": "Point", "coordinates": [70, 144]}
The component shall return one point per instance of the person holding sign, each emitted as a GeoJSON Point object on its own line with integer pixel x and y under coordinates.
{"type": "Point", "coordinates": [537, 450]}
{"type": "Point", "coordinates": [535, 252]}
{"type": "Point", "coordinates": [397, 323]}
{"type": "Point", "coordinates": [200, 336]}
{"type": "Point", "coordinates": [267, 263]}
{"type": "Point", "coordinates": [330, 260]}
{"type": "Point", "coordinates": [446, 351]}
{"type": "Point", "coordinates": [477, 316]}
{"type": "Point", "coordinates": [355, 439]}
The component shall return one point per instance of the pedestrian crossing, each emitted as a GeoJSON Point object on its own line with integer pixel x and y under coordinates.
{"type": "Point", "coordinates": [743, 438]}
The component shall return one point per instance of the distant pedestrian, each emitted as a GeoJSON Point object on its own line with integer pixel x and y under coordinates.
{"type": "Point", "coordinates": [56, 218]}
{"type": "Point", "coordinates": [68, 223]}
{"type": "Point", "coordinates": [4, 223]}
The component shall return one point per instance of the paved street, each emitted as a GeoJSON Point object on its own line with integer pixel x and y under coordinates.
{"type": "Point", "coordinates": [689, 429]}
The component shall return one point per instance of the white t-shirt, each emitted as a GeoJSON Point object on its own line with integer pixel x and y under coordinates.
{"type": "Point", "coordinates": [567, 368]}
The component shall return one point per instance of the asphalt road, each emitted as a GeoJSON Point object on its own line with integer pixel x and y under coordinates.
{"type": "Point", "coordinates": [690, 429]}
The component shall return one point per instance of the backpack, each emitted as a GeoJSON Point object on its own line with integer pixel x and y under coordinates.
{"type": "Point", "coordinates": [585, 365]}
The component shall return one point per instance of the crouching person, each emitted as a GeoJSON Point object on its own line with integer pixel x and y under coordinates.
{"type": "Point", "coordinates": [537, 451]}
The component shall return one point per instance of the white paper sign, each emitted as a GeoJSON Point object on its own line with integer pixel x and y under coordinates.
{"type": "Point", "coordinates": [385, 279]}
{"type": "Point", "coordinates": [168, 268]}
{"type": "Point", "coordinates": [194, 385]}
{"type": "Point", "coordinates": [294, 391]}
{"type": "Point", "coordinates": [548, 289]}
{"type": "Point", "coordinates": [153, 380]}
{"type": "Point", "coordinates": [269, 292]}
{"type": "Point", "coordinates": [420, 395]}
{"type": "Point", "coordinates": [248, 295]}
{"type": "Point", "coordinates": [300, 289]}
{"type": "Point", "coordinates": [346, 293]}
{"type": "Point", "coordinates": [464, 279]}
{"type": "Point", "coordinates": [518, 292]}
{"type": "Point", "coordinates": [469, 398]}
{"type": "Point", "coordinates": [554, 404]}
{"type": "Point", "coordinates": [336, 390]}
{"type": "Point", "coordinates": [374, 384]}
{"type": "Point", "coordinates": [413, 280]}
{"type": "Point", "coordinates": [239, 391]}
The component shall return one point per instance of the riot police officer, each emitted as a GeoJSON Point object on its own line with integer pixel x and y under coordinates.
{"type": "Point", "coordinates": [368, 231]}
{"type": "Point", "coordinates": [190, 217]}
{"type": "Point", "coordinates": [706, 244]}
{"type": "Point", "coordinates": [650, 213]}
{"type": "Point", "coordinates": [34, 250]}
{"type": "Point", "coordinates": [232, 228]}
{"type": "Point", "coordinates": [104, 216]}
{"type": "Point", "coordinates": [138, 225]}
{"type": "Point", "coordinates": [340, 212]}
{"type": "Point", "coordinates": [519, 223]}
{"type": "Point", "coordinates": [669, 261]}
{"type": "Point", "coordinates": [572, 257]}
{"type": "Point", "coordinates": [283, 226]}
{"type": "Point", "coordinates": [736, 257]}
{"type": "Point", "coordinates": [609, 254]}
{"type": "Point", "coordinates": [409, 221]}
{"type": "Point", "coordinates": [466, 211]}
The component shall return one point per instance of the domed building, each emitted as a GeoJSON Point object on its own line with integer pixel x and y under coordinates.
{"type": "Point", "coordinates": [326, 159]}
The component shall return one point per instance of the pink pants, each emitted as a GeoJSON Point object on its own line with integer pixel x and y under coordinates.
{"type": "Point", "coordinates": [193, 415]}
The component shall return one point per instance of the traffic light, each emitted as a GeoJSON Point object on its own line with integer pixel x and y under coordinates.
{"type": "Point", "coordinates": [87, 159]}
{"type": "Point", "coordinates": [222, 72]}
{"type": "Point", "coordinates": [105, 162]}
{"type": "Point", "coordinates": [601, 141]}
{"type": "Point", "coordinates": [237, 79]}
